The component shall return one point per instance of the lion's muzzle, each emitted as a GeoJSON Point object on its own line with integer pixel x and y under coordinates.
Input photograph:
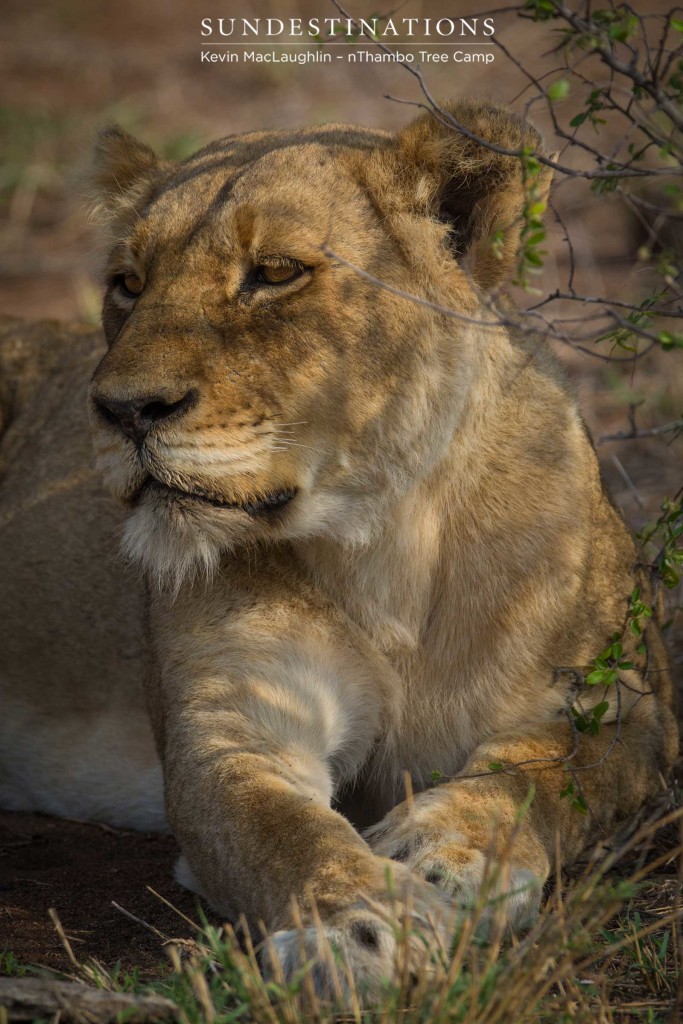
{"type": "Point", "coordinates": [137, 416]}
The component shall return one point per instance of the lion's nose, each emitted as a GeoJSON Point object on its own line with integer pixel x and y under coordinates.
{"type": "Point", "coordinates": [136, 416]}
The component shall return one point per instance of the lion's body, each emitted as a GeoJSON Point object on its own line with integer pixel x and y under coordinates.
{"type": "Point", "coordinates": [74, 734]}
{"type": "Point", "coordinates": [376, 537]}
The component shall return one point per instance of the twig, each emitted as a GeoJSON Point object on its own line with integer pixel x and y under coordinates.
{"type": "Point", "coordinates": [627, 480]}
{"type": "Point", "coordinates": [635, 434]}
{"type": "Point", "coordinates": [39, 998]}
{"type": "Point", "coordinates": [447, 119]}
{"type": "Point", "coordinates": [138, 920]}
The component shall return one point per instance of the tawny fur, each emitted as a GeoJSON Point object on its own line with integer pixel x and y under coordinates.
{"type": "Point", "coordinates": [448, 547]}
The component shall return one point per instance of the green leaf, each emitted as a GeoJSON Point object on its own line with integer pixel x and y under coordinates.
{"type": "Point", "coordinates": [436, 775]}
{"type": "Point", "coordinates": [670, 578]}
{"type": "Point", "coordinates": [542, 10]}
{"type": "Point", "coordinates": [596, 677]}
{"type": "Point", "coordinates": [496, 766]}
{"type": "Point", "coordinates": [580, 805]}
{"type": "Point", "coordinates": [677, 24]}
{"type": "Point", "coordinates": [625, 29]}
{"type": "Point", "coordinates": [577, 121]}
{"type": "Point", "coordinates": [668, 340]}
{"type": "Point", "coordinates": [558, 90]}
{"type": "Point", "coordinates": [600, 709]}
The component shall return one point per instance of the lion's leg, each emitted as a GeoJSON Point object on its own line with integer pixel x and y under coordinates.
{"type": "Point", "coordinates": [261, 706]}
{"type": "Point", "coordinates": [452, 834]}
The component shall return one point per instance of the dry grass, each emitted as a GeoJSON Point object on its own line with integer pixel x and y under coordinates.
{"type": "Point", "coordinates": [605, 949]}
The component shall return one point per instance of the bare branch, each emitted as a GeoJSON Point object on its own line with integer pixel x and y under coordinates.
{"type": "Point", "coordinates": [633, 434]}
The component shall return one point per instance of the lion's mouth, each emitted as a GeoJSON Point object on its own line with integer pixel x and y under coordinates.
{"type": "Point", "coordinates": [260, 506]}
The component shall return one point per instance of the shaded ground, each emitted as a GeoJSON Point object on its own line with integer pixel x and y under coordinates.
{"type": "Point", "coordinates": [78, 870]}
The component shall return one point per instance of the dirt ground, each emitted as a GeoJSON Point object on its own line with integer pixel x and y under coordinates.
{"type": "Point", "coordinates": [78, 870]}
{"type": "Point", "coordinates": [73, 65]}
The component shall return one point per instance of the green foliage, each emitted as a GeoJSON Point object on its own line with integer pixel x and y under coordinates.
{"type": "Point", "coordinates": [589, 721]}
{"type": "Point", "coordinates": [604, 671]}
{"type": "Point", "coordinates": [667, 534]}
{"type": "Point", "coordinates": [619, 24]}
{"type": "Point", "coordinates": [669, 340]}
{"type": "Point", "coordinates": [541, 10]}
{"type": "Point", "coordinates": [10, 966]}
{"type": "Point", "coordinates": [624, 337]}
{"type": "Point", "coordinates": [576, 800]}
{"type": "Point", "coordinates": [647, 956]}
{"type": "Point", "coordinates": [601, 186]}
{"type": "Point", "coordinates": [533, 233]}
{"type": "Point", "coordinates": [559, 90]}
{"type": "Point", "coordinates": [675, 81]}
{"type": "Point", "coordinates": [594, 103]}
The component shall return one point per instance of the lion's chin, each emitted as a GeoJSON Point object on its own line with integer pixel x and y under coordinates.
{"type": "Point", "coordinates": [177, 536]}
{"type": "Point", "coordinates": [265, 505]}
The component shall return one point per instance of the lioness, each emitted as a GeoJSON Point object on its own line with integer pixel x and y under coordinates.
{"type": "Point", "coordinates": [372, 527]}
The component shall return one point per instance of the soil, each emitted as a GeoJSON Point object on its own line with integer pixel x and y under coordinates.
{"type": "Point", "coordinates": [80, 870]}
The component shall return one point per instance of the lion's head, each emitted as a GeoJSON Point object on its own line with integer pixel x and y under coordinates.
{"type": "Point", "coordinates": [267, 377]}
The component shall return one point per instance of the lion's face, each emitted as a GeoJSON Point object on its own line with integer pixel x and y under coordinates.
{"type": "Point", "coordinates": [256, 385]}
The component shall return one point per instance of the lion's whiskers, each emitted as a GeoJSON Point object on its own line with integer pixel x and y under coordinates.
{"type": "Point", "coordinates": [295, 444]}
{"type": "Point", "coordinates": [280, 430]}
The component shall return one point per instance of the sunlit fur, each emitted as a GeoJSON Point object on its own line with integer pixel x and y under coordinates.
{"type": "Point", "coordinates": [447, 566]}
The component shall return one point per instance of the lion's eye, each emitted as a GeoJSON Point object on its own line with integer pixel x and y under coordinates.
{"type": "Point", "coordinates": [129, 285]}
{"type": "Point", "coordinates": [278, 274]}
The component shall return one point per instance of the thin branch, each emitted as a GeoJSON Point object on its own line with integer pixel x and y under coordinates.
{"type": "Point", "coordinates": [628, 70]}
{"type": "Point", "coordinates": [634, 434]}
{"type": "Point", "coordinates": [432, 107]}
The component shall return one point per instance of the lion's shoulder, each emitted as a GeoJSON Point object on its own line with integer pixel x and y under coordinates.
{"type": "Point", "coordinates": [29, 350]}
{"type": "Point", "coordinates": [32, 353]}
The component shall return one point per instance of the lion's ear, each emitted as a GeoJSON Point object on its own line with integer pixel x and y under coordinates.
{"type": "Point", "coordinates": [124, 169]}
{"type": "Point", "coordinates": [478, 192]}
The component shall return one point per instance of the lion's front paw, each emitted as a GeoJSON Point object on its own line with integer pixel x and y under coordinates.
{"type": "Point", "coordinates": [457, 861]}
{"type": "Point", "coordinates": [354, 953]}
